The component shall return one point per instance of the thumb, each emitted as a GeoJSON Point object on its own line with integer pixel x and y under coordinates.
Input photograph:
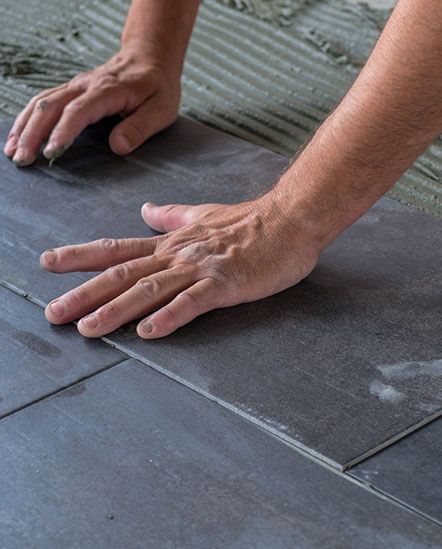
{"type": "Point", "coordinates": [172, 216]}
{"type": "Point", "coordinates": [150, 118]}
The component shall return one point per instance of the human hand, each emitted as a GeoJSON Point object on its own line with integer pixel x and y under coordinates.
{"type": "Point", "coordinates": [130, 83]}
{"type": "Point", "coordinates": [211, 256]}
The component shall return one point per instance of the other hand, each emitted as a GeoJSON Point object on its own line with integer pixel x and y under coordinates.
{"type": "Point", "coordinates": [131, 84]}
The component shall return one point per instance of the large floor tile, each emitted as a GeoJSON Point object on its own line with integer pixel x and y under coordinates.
{"type": "Point", "coordinates": [338, 365]}
{"type": "Point", "coordinates": [410, 470]}
{"type": "Point", "coordinates": [37, 359]}
{"type": "Point", "coordinates": [129, 458]}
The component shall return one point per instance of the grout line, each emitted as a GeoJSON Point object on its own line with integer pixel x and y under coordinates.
{"type": "Point", "coordinates": [305, 451]}
{"type": "Point", "coordinates": [377, 492]}
{"type": "Point", "coordinates": [386, 495]}
{"type": "Point", "coordinates": [395, 438]}
{"type": "Point", "coordinates": [224, 404]}
{"type": "Point", "coordinates": [60, 389]}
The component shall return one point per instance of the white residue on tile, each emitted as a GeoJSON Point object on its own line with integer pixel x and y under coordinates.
{"type": "Point", "coordinates": [406, 370]}
{"type": "Point", "coordinates": [386, 393]}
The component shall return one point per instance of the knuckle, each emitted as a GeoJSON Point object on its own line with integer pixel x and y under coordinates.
{"type": "Point", "coordinates": [74, 106]}
{"type": "Point", "coordinates": [79, 295]}
{"type": "Point", "coordinates": [42, 104]}
{"type": "Point", "coordinates": [109, 244]}
{"type": "Point", "coordinates": [69, 253]}
{"type": "Point", "coordinates": [138, 128]}
{"type": "Point", "coordinates": [106, 80]}
{"type": "Point", "coordinates": [119, 273]}
{"type": "Point", "coordinates": [199, 228]}
{"type": "Point", "coordinates": [170, 314]}
{"type": "Point", "coordinates": [107, 312]}
{"type": "Point", "coordinates": [75, 251]}
{"type": "Point", "coordinates": [39, 97]}
{"type": "Point", "coordinates": [196, 252]}
{"type": "Point", "coordinates": [147, 287]}
{"type": "Point", "coordinates": [190, 300]}
{"type": "Point", "coordinates": [219, 273]}
{"type": "Point", "coordinates": [219, 293]}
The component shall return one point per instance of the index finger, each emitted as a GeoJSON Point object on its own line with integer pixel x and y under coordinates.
{"type": "Point", "coordinates": [97, 255]}
{"type": "Point", "coordinates": [22, 119]}
{"type": "Point", "coordinates": [90, 107]}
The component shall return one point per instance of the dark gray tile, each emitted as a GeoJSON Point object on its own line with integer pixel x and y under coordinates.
{"type": "Point", "coordinates": [129, 458]}
{"type": "Point", "coordinates": [341, 364]}
{"type": "Point", "coordinates": [37, 359]}
{"type": "Point", "coordinates": [410, 470]}
{"type": "Point", "coordinates": [92, 193]}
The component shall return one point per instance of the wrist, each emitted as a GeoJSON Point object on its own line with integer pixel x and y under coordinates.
{"type": "Point", "coordinates": [291, 223]}
{"type": "Point", "coordinates": [150, 57]}
{"type": "Point", "coordinates": [332, 182]}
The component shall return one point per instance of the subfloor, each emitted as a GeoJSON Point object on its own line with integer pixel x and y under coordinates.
{"type": "Point", "coordinates": [309, 419]}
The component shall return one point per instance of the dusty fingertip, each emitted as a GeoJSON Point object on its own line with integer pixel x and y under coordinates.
{"type": "Point", "coordinates": [145, 329]}
{"type": "Point", "coordinates": [21, 161]}
{"type": "Point", "coordinates": [55, 311]}
{"type": "Point", "coordinates": [48, 259]}
{"type": "Point", "coordinates": [51, 153]}
{"type": "Point", "coordinates": [86, 331]}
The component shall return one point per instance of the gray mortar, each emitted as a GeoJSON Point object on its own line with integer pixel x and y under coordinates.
{"type": "Point", "coordinates": [268, 81]}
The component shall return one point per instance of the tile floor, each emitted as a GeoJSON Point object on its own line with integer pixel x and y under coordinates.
{"type": "Point", "coordinates": [234, 431]}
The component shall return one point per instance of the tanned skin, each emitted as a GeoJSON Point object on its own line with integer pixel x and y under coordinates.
{"type": "Point", "coordinates": [216, 255]}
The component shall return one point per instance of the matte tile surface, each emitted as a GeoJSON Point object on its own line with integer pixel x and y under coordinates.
{"type": "Point", "coordinates": [410, 470]}
{"type": "Point", "coordinates": [129, 458]}
{"type": "Point", "coordinates": [37, 359]}
{"type": "Point", "coordinates": [342, 364]}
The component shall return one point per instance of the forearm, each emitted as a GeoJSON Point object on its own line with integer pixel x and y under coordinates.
{"type": "Point", "coordinates": [161, 30]}
{"type": "Point", "coordinates": [390, 115]}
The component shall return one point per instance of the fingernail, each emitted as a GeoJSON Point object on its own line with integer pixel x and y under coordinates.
{"type": "Point", "coordinates": [146, 207]}
{"type": "Point", "coordinates": [19, 158]}
{"type": "Point", "coordinates": [91, 321]}
{"type": "Point", "coordinates": [50, 256]}
{"type": "Point", "coordinates": [125, 144]}
{"type": "Point", "coordinates": [147, 326]}
{"type": "Point", "coordinates": [57, 308]}
{"type": "Point", "coordinates": [49, 150]}
{"type": "Point", "coordinates": [52, 151]}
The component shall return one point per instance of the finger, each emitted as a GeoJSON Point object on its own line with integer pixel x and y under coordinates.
{"type": "Point", "coordinates": [146, 295]}
{"type": "Point", "coordinates": [101, 289]}
{"type": "Point", "coordinates": [97, 255]}
{"type": "Point", "coordinates": [88, 108]}
{"type": "Point", "coordinates": [150, 118]}
{"type": "Point", "coordinates": [22, 119]}
{"type": "Point", "coordinates": [42, 119]}
{"type": "Point", "coordinates": [200, 298]}
{"type": "Point", "coordinates": [173, 216]}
